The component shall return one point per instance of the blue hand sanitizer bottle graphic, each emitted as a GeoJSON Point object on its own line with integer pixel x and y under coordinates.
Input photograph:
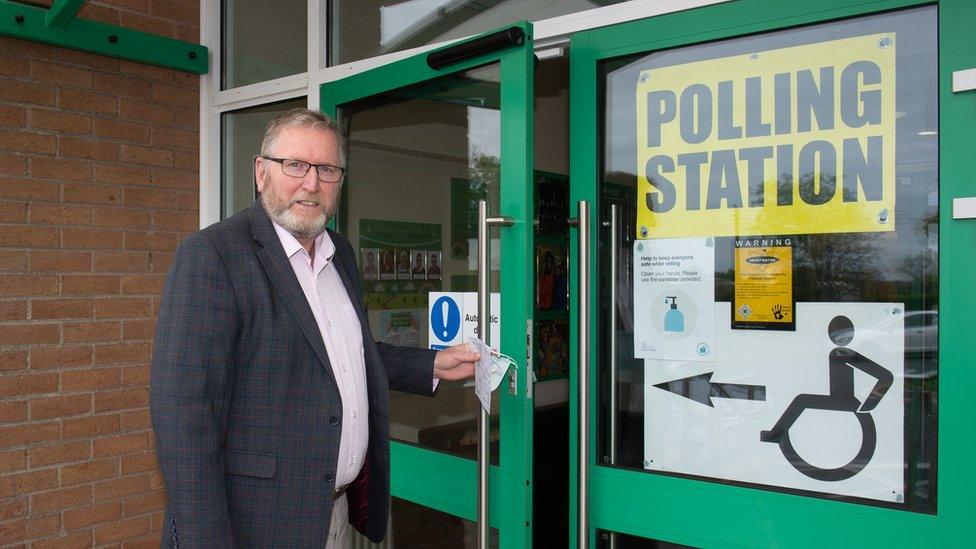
{"type": "Point", "coordinates": [674, 320]}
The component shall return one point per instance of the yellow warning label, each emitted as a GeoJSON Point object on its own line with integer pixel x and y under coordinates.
{"type": "Point", "coordinates": [763, 283]}
{"type": "Point", "coordinates": [796, 140]}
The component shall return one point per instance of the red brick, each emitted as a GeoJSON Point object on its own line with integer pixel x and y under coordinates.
{"type": "Point", "coordinates": [103, 239]}
{"type": "Point", "coordinates": [13, 310]}
{"type": "Point", "coordinates": [121, 487]}
{"type": "Point", "coordinates": [31, 189]}
{"type": "Point", "coordinates": [19, 435]}
{"type": "Point", "coordinates": [29, 237]}
{"type": "Point", "coordinates": [25, 92]}
{"type": "Point", "coordinates": [121, 400]}
{"type": "Point", "coordinates": [28, 528]}
{"type": "Point", "coordinates": [175, 179]}
{"type": "Point", "coordinates": [160, 198]}
{"type": "Point", "coordinates": [33, 481]}
{"type": "Point", "coordinates": [59, 261]}
{"type": "Point", "coordinates": [156, 241]}
{"type": "Point", "coordinates": [94, 149]}
{"type": "Point", "coordinates": [119, 353]}
{"type": "Point", "coordinates": [89, 471]}
{"type": "Point", "coordinates": [188, 34]}
{"type": "Point", "coordinates": [55, 73]}
{"type": "Point", "coordinates": [122, 529]}
{"type": "Point", "coordinates": [90, 332]}
{"type": "Point", "coordinates": [144, 110]}
{"type": "Point", "coordinates": [103, 14]}
{"type": "Point", "coordinates": [87, 102]}
{"type": "Point", "coordinates": [60, 454]}
{"type": "Point", "coordinates": [20, 334]}
{"type": "Point", "coordinates": [33, 50]}
{"type": "Point", "coordinates": [60, 121]}
{"type": "Point", "coordinates": [139, 463]}
{"type": "Point", "coordinates": [188, 119]}
{"type": "Point", "coordinates": [60, 214]}
{"type": "Point", "coordinates": [27, 141]}
{"type": "Point", "coordinates": [121, 218]}
{"type": "Point", "coordinates": [90, 380]}
{"type": "Point", "coordinates": [129, 262]}
{"type": "Point", "coordinates": [28, 384]}
{"type": "Point", "coordinates": [58, 168]}
{"type": "Point", "coordinates": [89, 515]}
{"type": "Point", "coordinates": [12, 115]}
{"type": "Point", "coordinates": [143, 284]}
{"type": "Point", "coordinates": [122, 86]}
{"type": "Point", "coordinates": [147, 155]}
{"type": "Point", "coordinates": [56, 500]}
{"type": "Point", "coordinates": [174, 138]}
{"type": "Point", "coordinates": [28, 285]}
{"type": "Point", "coordinates": [13, 508]}
{"type": "Point", "coordinates": [13, 212]}
{"type": "Point", "coordinates": [15, 67]}
{"type": "Point", "coordinates": [141, 504]}
{"type": "Point", "coordinates": [175, 11]}
{"type": "Point", "coordinates": [12, 261]}
{"type": "Point", "coordinates": [187, 160]}
{"type": "Point", "coordinates": [161, 262]}
{"type": "Point", "coordinates": [145, 23]}
{"type": "Point", "coordinates": [89, 284]}
{"type": "Point", "coordinates": [61, 308]}
{"type": "Point", "coordinates": [13, 411]}
{"type": "Point", "coordinates": [122, 175]}
{"type": "Point", "coordinates": [13, 360]}
{"type": "Point", "coordinates": [13, 164]}
{"type": "Point", "coordinates": [159, 74]}
{"type": "Point", "coordinates": [134, 443]}
{"type": "Point", "coordinates": [16, 460]}
{"type": "Point", "coordinates": [86, 193]}
{"type": "Point", "coordinates": [90, 60]}
{"type": "Point", "coordinates": [175, 95]}
{"type": "Point", "coordinates": [61, 357]}
{"type": "Point", "coordinates": [124, 307]}
{"type": "Point", "coordinates": [135, 375]}
{"type": "Point", "coordinates": [81, 539]}
{"type": "Point", "coordinates": [156, 481]}
{"type": "Point", "coordinates": [136, 420]}
{"type": "Point", "coordinates": [122, 129]}
{"type": "Point", "coordinates": [139, 329]}
{"type": "Point", "coordinates": [60, 406]}
{"type": "Point", "coordinates": [90, 426]}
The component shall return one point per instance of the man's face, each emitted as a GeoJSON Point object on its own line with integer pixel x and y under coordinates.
{"type": "Point", "coordinates": [302, 205]}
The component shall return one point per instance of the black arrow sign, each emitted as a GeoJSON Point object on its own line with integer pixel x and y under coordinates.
{"type": "Point", "coordinates": [701, 389]}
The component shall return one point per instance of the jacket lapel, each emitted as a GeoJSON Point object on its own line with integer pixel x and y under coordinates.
{"type": "Point", "coordinates": [272, 257]}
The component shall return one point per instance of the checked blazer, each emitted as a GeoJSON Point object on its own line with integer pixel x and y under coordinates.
{"type": "Point", "coordinates": [246, 412]}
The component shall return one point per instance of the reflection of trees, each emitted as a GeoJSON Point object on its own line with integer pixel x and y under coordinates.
{"type": "Point", "coordinates": [484, 176]}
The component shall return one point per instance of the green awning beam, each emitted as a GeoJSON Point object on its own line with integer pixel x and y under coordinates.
{"type": "Point", "coordinates": [61, 12]}
{"type": "Point", "coordinates": [31, 23]}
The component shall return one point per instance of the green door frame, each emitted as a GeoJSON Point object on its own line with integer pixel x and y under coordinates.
{"type": "Point", "coordinates": [702, 513]}
{"type": "Point", "coordinates": [440, 481]}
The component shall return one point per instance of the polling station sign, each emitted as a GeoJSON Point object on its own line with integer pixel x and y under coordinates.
{"type": "Point", "coordinates": [796, 140]}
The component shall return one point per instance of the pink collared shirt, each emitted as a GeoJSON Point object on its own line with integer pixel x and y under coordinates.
{"type": "Point", "coordinates": [342, 335]}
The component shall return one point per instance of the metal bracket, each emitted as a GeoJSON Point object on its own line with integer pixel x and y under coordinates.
{"type": "Point", "coordinates": [59, 27]}
{"type": "Point", "coordinates": [963, 80]}
{"type": "Point", "coordinates": [964, 208]}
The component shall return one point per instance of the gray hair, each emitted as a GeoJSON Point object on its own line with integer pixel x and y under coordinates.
{"type": "Point", "coordinates": [305, 118]}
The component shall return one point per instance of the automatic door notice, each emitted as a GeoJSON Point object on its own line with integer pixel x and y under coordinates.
{"type": "Point", "coordinates": [819, 409]}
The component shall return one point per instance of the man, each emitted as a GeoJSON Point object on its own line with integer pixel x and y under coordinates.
{"type": "Point", "coordinates": [269, 397]}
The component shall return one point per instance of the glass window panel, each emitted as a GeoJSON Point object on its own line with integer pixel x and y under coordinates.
{"type": "Point", "coordinates": [262, 40]}
{"type": "Point", "coordinates": [413, 525]}
{"type": "Point", "coordinates": [241, 134]}
{"type": "Point", "coordinates": [897, 269]}
{"type": "Point", "coordinates": [419, 160]}
{"type": "Point", "coordinates": [608, 540]}
{"type": "Point", "coordinates": [366, 28]}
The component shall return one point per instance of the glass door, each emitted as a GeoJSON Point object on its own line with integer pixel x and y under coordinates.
{"type": "Point", "coordinates": [774, 360]}
{"type": "Point", "coordinates": [430, 137]}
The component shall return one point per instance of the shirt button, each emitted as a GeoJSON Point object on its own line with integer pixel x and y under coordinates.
{"type": "Point", "coordinates": [334, 420]}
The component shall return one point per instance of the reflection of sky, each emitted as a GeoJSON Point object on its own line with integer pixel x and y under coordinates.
{"type": "Point", "coordinates": [916, 105]}
{"type": "Point", "coordinates": [484, 132]}
{"type": "Point", "coordinates": [396, 19]}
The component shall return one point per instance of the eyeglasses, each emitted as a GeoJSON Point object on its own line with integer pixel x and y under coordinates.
{"type": "Point", "coordinates": [326, 173]}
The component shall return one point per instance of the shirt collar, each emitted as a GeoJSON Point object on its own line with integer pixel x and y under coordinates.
{"type": "Point", "coordinates": [324, 247]}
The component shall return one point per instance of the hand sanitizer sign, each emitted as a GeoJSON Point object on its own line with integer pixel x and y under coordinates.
{"type": "Point", "coordinates": [444, 319]}
{"type": "Point", "coordinates": [674, 299]}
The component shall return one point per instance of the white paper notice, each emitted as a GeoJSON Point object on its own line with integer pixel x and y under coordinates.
{"type": "Point", "coordinates": [819, 409]}
{"type": "Point", "coordinates": [674, 298]}
{"type": "Point", "coordinates": [482, 373]}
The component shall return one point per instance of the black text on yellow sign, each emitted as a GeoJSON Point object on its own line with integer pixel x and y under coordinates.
{"type": "Point", "coordinates": [763, 283]}
{"type": "Point", "coordinates": [795, 140]}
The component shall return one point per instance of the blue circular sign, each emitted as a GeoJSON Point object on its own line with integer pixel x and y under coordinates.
{"type": "Point", "coordinates": [445, 319]}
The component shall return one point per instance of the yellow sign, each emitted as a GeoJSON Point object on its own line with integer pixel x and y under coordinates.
{"type": "Point", "coordinates": [763, 283]}
{"type": "Point", "coordinates": [795, 140]}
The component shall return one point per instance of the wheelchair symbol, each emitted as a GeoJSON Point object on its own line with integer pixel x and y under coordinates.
{"type": "Point", "coordinates": [841, 364]}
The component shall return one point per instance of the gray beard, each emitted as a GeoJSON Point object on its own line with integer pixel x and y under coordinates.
{"type": "Point", "coordinates": [299, 227]}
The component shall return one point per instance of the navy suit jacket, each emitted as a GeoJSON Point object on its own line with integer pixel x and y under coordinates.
{"type": "Point", "coordinates": [245, 408]}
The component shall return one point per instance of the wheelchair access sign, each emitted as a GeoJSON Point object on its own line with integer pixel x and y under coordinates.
{"type": "Point", "coordinates": [819, 409]}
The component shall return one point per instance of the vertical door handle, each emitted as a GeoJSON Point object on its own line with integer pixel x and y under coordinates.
{"type": "Point", "coordinates": [484, 330]}
{"type": "Point", "coordinates": [583, 373]}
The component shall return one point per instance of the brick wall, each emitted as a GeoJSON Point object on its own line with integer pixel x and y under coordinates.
{"type": "Point", "coordinates": [98, 183]}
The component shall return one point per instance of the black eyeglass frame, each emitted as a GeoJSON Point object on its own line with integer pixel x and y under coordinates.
{"type": "Point", "coordinates": [309, 166]}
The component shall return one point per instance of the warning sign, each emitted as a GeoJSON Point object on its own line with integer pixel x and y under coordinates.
{"type": "Point", "coordinates": [819, 409]}
{"type": "Point", "coordinates": [796, 140]}
{"type": "Point", "coordinates": [763, 291]}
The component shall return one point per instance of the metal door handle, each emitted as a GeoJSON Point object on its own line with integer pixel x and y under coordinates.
{"type": "Point", "coordinates": [484, 330]}
{"type": "Point", "coordinates": [582, 222]}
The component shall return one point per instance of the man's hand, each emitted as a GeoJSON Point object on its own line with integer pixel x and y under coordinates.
{"type": "Point", "coordinates": [456, 362]}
